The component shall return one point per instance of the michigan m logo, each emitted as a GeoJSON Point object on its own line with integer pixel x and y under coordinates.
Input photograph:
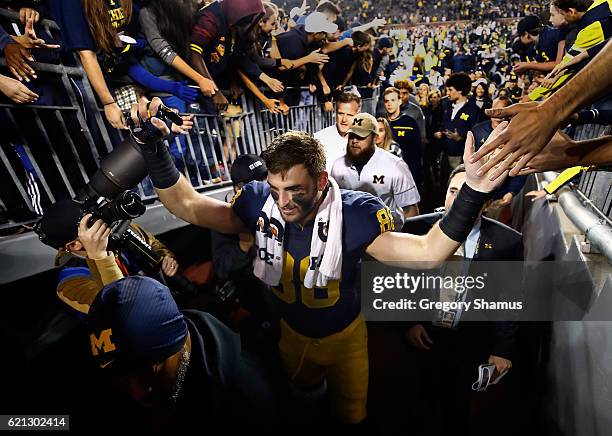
{"type": "Point", "coordinates": [102, 342]}
{"type": "Point", "coordinates": [379, 179]}
{"type": "Point", "coordinates": [357, 121]}
{"type": "Point", "coordinates": [464, 116]}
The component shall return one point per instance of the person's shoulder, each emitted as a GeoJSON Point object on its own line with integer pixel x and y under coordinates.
{"type": "Point", "coordinates": [324, 133]}
{"type": "Point", "coordinates": [339, 164]}
{"type": "Point", "coordinates": [367, 213]}
{"type": "Point", "coordinates": [387, 158]}
{"type": "Point", "coordinates": [471, 105]}
{"type": "Point", "coordinates": [255, 189]}
{"type": "Point", "coordinates": [209, 13]}
{"type": "Point", "coordinates": [360, 203]}
{"type": "Point", "coordinates": [409, 119]}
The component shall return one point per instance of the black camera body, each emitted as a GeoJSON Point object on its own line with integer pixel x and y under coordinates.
{"type": "Point", "coordinates": [126, 206]}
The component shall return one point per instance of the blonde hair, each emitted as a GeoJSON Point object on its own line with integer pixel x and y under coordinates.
{"type": "Point", "coordinates": [388, 133]}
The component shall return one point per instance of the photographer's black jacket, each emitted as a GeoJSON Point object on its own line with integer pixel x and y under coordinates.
{"type": "Point", "coordinates": [224, 389]}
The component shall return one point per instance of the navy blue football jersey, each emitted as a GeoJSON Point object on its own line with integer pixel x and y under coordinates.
{"type": "Point", "coordinates": [319, 312]}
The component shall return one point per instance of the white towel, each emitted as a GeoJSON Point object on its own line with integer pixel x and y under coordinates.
{"type": "Point", "coordinates": [325, 245]}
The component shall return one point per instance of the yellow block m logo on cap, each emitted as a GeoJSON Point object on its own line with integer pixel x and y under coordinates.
{"type": "Point", "coordinates": [102, 342]}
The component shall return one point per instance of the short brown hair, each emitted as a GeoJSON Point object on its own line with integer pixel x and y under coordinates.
{"type": "Point", "coordinates": [390, 90]}
{"type": "Point", "coordinates": [348, 97]}
{"type": "Point", "coordinates": [294, 148]}
{"type": "Point", "coordinates": [458, 169]}
{"type": "Point", "coordinates": [404, 84]}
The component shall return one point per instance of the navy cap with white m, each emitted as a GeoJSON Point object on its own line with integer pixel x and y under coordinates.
{"type": "Point", "coordinates": [135, 323]}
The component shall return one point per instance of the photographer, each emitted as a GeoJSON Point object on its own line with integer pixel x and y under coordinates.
{"type": "Point", "coordinates": [86, 264]}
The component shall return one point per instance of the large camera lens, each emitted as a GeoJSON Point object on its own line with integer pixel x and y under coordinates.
{"type": "Point", "coordinates": [126, 206]}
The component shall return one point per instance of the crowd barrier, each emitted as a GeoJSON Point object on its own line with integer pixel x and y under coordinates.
{"type": "Point", "coordinates": [50, 151]}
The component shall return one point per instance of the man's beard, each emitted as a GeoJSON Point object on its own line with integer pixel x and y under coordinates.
{"type": "Point", "coordinates": [180, 379]}
{"type": "Point", "coordinates": [362, 156]}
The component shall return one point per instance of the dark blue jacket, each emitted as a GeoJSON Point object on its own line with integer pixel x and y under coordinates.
{"type": "Point", "coordinates": [465, 119]}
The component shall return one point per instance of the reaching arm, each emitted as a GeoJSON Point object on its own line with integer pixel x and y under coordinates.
{"type": "Point", "coordinates": [446, 236]}
{"type": "Point", "coordinates": [174, 191]}
{"type": "Point", "coordinates": [331, 47]}
{"type": "Point", "coordinates": [273, 105]}
{"type": "Point", "coordinates": [185, 203]}
{"type": "Point", "coordinates": [113, 113]}
{"type": "Point", "coordinates": [561, 152]}
{"type": "Point", "coordinates": [534, 124]}
{"type": "Point", "coordinates": [433, 248]}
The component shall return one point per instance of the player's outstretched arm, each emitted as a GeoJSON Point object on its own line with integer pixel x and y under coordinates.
{"type": "Point", "coordinates": [174, 191]}
{"type": "Point", "coordinates": [446, 236]}
{"type": "Point", "coordinates": [534, 124]}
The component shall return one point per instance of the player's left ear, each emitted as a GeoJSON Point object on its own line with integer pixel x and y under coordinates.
{"type": "Point", "coordinates": [323, 179]}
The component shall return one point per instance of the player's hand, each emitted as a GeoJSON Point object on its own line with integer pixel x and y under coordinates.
{"type": "Point", "coordinates": [169, 266]}
{"type": "Point", "coordinates": [502, 366]}
{"type": "Point", "coordinates": [418, 337]}
{"type": "Point", "coordinates": [482, 182]}
{"type": "Point", "coordinates": [95, 238]}
{"type": "Point", "coordinates": [144, 111]}
{"type": "Point", "coordinates": [531, 128]}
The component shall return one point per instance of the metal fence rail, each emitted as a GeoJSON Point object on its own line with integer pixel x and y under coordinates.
{"type": "Point", "coordinates": [595, 187]}
{"type": "Point", "coordinates": [48, 152]}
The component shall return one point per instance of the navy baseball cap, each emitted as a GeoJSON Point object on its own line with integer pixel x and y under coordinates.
{"type": "Point", "coordinates": [59, 224]}
{"type": "Point", "coordinates": [134, 323]}
{"type": "Point", "coordinates": [248, 167]}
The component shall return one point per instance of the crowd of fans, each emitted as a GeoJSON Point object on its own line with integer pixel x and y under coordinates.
{"type": "Point", "coordinates": [418, 11]}
{"type": "Point", "coordinates": [433, 90]}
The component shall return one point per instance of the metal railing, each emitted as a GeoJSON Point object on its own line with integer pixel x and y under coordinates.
{"type": "Point", "coordinates": [589, 205]}
{"type": "Point", "coordinates": [48, 152]}
{"type": "Point", "coordinates": [595, 187]}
